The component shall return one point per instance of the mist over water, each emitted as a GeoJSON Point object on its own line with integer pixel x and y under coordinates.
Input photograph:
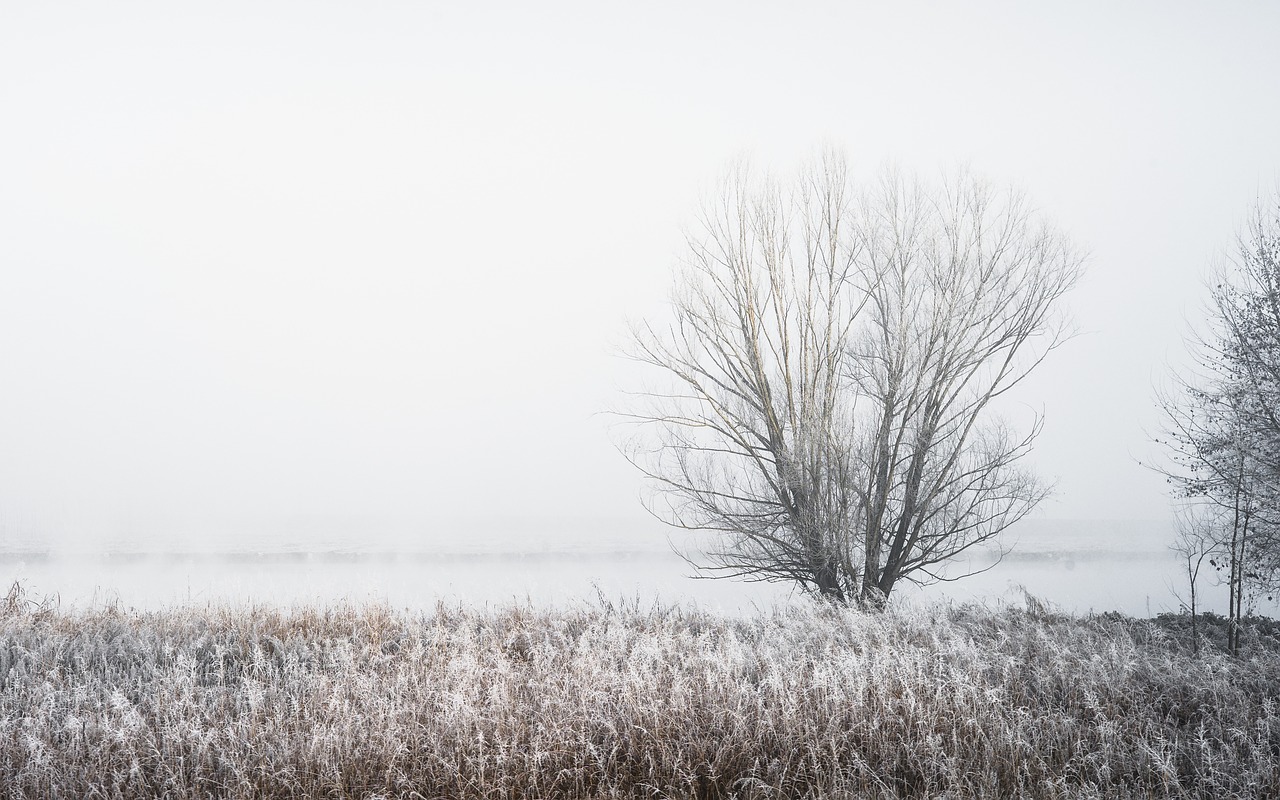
{"type": "Point", "coordinates": [1079, 566]}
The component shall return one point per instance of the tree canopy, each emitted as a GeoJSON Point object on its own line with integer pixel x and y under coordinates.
{"type": "Point", "coordinates": [827, 376]}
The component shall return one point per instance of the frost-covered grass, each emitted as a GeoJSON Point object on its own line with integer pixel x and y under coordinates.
{"type": "Point", "coordinates": [625, 702]}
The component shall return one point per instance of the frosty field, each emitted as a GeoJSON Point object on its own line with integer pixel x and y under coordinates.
{"type": "Point", "coordinates": [502, 668]}
{"type": "Point", "coordinates": [618, 700]}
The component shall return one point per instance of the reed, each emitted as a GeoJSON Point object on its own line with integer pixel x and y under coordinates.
{"type": "Point", "coordinates": [606, 700]}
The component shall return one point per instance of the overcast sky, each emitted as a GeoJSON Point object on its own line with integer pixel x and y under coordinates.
{"type": "Point", "coordinates": [354, 261]}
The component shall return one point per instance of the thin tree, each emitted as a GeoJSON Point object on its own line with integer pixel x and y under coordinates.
{"type": "Point", "coordinates": [1221, 426]}
{"type": "Point", "coordinates": [1198, 539]}
{"type": "Point", "coordinates": [1207, 439]}
{"type": "Point", "coordinates": [829, 370]}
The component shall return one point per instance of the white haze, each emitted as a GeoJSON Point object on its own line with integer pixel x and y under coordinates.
{"type": "Point", "coordinates": [352, 273]}
{"type": "Point", "coordinates": [1075, 566]}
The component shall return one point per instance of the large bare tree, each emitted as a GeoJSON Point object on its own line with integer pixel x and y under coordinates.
{"type": "Point", "coordinates": [829, 370]}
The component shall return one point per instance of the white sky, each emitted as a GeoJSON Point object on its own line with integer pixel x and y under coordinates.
{"type": "Point", "coordinates": [353, 261]}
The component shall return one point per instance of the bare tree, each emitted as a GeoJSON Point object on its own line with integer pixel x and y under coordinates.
{"type": "Point", "coordinates": [1217, 478]}
{"type": "Point", "coordinates": [1222, 429]}
{"type": "Point", "coordinates": [1198, 539]}
{"type": "Point", "coordinates": [1246, 325]}
{"type": "Point", "coordinates": [830, 367]}
{"type": "Point", "coordinates": [963, 309]}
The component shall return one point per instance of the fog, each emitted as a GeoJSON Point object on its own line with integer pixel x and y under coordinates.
{"type": "Point", "coordinates": [332, 278]}
{"type": "Point", "coordinates": [1076, 566]}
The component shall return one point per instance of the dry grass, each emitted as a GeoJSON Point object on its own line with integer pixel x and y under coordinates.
{"type": "Point", "coordinates": [624, 702]}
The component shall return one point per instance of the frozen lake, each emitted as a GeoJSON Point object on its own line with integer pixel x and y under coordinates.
{"type": "Point", "coordinates": [1134, 584]}
{"type": "Point", "coordinates": [1078, 566]}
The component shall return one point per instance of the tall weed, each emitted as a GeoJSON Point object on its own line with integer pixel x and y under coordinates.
{"type": "Point", "coordinates": [623, 701]}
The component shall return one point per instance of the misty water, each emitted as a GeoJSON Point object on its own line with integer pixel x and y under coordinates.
{"type": "Point", "coordinates": [1078, 566]}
